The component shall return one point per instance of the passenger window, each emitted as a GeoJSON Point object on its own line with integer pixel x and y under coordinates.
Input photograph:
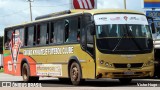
{"type": "Point", "coordinates": [43, 34]}
{"type": "Point", "coordinates": [72, 30]}
{"type": "Point", "coordinates": [52, 33]}
{"type": "Point", "coordinates": [26, 36]}
{"type": "Point", "coordinates": [79, 29]}
{"type": "Point", "coordinates": [67, 31]}
{"type": "Point", "coordinates": [59, 32]}
{"type": "Point", "coordinates": [8, 38]}
{"type": "Point", "coordinates": [19, 34]}
{"type": "Point", "coordinates": [47, 34]}
{"type": "Point", "coordinates": [30, 36]}
{"type": "Point", "coordinates": [38, 35]}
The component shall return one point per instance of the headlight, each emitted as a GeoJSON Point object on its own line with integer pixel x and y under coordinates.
{"type": "Point", "coordinates": [107, 64]}
{"type": "Point", "coordinates": [101, 61]}
{"type": "Point", "coordinates": [149, 63]}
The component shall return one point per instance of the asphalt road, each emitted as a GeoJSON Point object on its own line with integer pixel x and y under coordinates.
{"type": "Point", "coordinates": [54, 82]}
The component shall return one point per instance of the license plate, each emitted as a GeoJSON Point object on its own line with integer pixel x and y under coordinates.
{"type": "Point", "coordinates": [128, 73]}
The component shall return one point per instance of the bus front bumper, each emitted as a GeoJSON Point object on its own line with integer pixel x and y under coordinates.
{"type": "Point", "coordinates": [103, 72]}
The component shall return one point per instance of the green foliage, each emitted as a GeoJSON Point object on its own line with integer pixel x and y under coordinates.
{"type": "Point", "coordinates": [1, 70]}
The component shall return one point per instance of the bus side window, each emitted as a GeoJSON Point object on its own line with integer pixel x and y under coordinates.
{"type": "Point", "coordinates": [26, 36]}
{"type": "Point", "coordinates": [71, 30]}
{"type": "Point", "coordinates": [21, 36]}
{"type": "Point", "coordinates": [43, 34]}
{"type": "Point", "coordinates": [30, 36]}
{"type": "Point", "coordinates": [52, 32]}
{"type": "Point", "coordinates": [59, 32]}
{"type": "Point", "coordinates": [67, 31]}
{"type": "Point", "coordinates": [38, 35]}
{"type": "Point", "coordinates": [47, 33]}
{"type": "Point", "coordinates": [8, 38]}
{"type": "Point", "coordinates": [90, 42]}
{"type": "Point", "coordinates": [79, 28]}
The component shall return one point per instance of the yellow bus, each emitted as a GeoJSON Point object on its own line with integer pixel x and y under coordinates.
{"type": "Point", "coordinates": [79, 45]}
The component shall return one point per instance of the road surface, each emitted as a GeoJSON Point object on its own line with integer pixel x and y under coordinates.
{"type": "Point", "coordinates": [54, 82]}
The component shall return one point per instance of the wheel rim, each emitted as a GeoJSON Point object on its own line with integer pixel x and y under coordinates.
{"type": "Point", "coordinates": [25, 73]}
{"type": "Point", "coordinates": [74, 73]}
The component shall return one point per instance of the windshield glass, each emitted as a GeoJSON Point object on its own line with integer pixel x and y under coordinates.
{"type": "Point", "coordinates": [118, 30]}
{"type": "Point", "coordinates": [123, 33]}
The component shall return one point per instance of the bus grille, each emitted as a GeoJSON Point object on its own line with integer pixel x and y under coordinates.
{"type": "Point", "coordinates": [133, 65]}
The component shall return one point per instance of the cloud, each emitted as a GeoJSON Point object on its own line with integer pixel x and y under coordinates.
{"type": "Point", "coordinates": [102, 4]}
{"type": "Point", "coordinates": [17, 11]}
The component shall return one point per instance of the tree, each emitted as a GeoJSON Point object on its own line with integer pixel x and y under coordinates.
{"type": "Point", "coordinates": [1, 44]}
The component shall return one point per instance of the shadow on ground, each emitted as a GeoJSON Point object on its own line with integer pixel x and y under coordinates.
{"type": "Point", "coordinates": [94, 83]}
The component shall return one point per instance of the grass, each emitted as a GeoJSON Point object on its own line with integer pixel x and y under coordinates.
{"type": "Point", "coordinates": [1, 70]}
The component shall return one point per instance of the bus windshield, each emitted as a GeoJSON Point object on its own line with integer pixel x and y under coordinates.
{"type": "Point", "coordinates": [123, 33]}
{"type": "Point", "coordinates": [118, 30]}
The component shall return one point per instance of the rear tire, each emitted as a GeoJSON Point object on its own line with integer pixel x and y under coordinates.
{"type": "Point", "coordinates": [75, 74]}
{"type": "Point", "coordinates": [26, 74]}
{"type": "Point", "coordinates": [125, 80]}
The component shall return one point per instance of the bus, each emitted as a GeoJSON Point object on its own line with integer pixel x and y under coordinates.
{"type": "Point", "coordinates": [156, 44]}
{"type": "Point", "coordinates": [81, 44]}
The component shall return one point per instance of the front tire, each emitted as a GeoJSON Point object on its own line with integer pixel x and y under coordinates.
{"type": "Point", "coordinates": [26, 74]}
{"type": "Point", "coordinates": [75, 74]}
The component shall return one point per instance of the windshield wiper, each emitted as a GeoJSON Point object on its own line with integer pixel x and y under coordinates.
{"type": "Point", "coordinates": [133, 39]}
{"type": "Point", "coordinates": [124, 35]}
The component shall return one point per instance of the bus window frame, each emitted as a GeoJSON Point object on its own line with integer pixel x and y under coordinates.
{"type": "Point", "coordinates": [70, 19]}
{"type": "Point", "coordinates": [40, 24]}
{"type": "Point", "coordinates": [26, 28]}
{"type": "Point", "coordinates": [13, 29]}
{"type": "Point", "coordinates": [49, 22]}
{"type": "Point", "coordinates": [51, 26]}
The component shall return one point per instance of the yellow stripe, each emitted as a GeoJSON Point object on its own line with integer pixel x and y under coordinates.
{"type": "Point", "coordinates": [151, 0]}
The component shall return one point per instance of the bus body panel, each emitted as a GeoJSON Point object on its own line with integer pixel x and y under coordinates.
{"type": "Point", "coordinates": [9, 65]}
{"type": "Point", "coordinates": [113, 71]}
{"type": "Point", "coordinates": [53, 59]}
{"type": "Point", "coordinates": [58, 58]}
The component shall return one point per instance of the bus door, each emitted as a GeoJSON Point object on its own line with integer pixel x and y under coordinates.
{"type": "Point", "coordinates": [88, 44]}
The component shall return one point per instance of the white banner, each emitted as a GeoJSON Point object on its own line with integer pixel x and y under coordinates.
{"type": "Point", "coordinates": [49, 69]}
{"type": "Point", "coordinates": [102, 19]}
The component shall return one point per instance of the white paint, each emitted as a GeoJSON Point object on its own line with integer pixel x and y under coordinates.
{"type": "Point", "coordinates": [89, 3]}
{"type": "Point", "coordinates": [102, 19]}
{"type": "Point", "coordinates": [49, 69]}
{"type": "Point", "coordinates": [80, 3]}
{"type": "Point", "coordinates": [85, 4]}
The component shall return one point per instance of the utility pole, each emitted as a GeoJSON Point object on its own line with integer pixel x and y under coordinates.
{"type": "Point", "coordinates": [125, 4]}
{"type": "Point", "coordinates": [30, 6]}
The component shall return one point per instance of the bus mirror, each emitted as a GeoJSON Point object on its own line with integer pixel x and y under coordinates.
{"type": "Point", "coordinates": [153, 28]}
{"type": "Point", "coordinates": [92, 31]}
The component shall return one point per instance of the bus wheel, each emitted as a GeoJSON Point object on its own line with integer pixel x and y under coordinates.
{"type": "Point", "coordinates": [75, 74]}
{"type": "Point", "coordinates": [26, 74]}
{"type": "Point", "coordinates": [125, 80]}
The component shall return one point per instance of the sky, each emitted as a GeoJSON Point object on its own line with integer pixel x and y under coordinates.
{"type": "Point", "coordinates": [14, 12]}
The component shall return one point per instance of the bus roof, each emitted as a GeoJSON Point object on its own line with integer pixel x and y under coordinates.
{"type": "Point", "coordinates": [74, 12]}
{"type": "Point", "coordinates": [97, 11]}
